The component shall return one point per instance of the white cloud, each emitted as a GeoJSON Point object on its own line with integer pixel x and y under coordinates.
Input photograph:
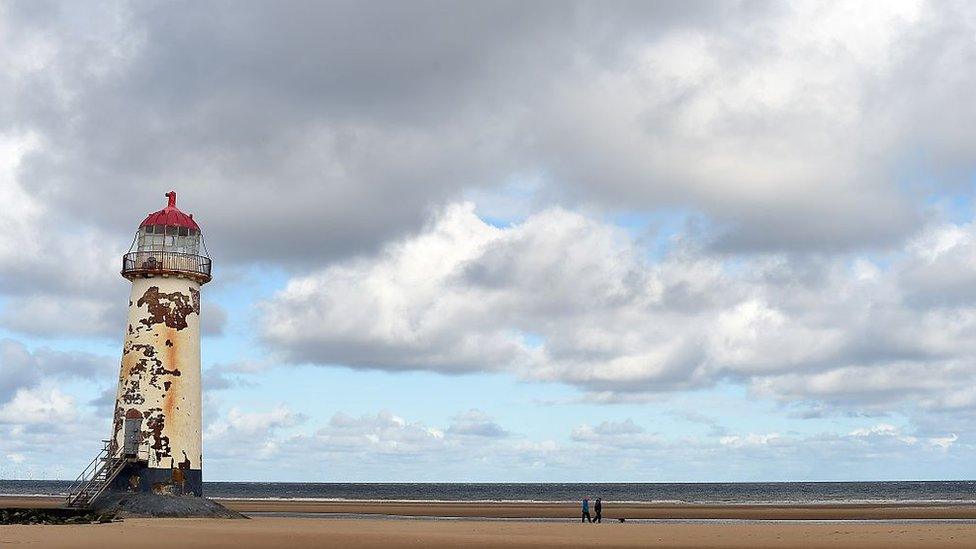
{"type": "Point", "coordinates": [19, 224]}
{"type": "Point", "coordinates": [387, 446]}
{"type": "Point", "coordinates": [617, 436]}
{"type": "Point", "coordinates": [944, 442]}
{"type": "Point", "coordinates": [398, 312]}
{"type": "Point", "coordinates": [41, 405]}
{"type": "Point", "coordinates": [751, 439]}
{"type": "Point", "coordinates": [243, 425]}
{"type": "Point", "coordinates": [562, 297]}
{"type": "Point", "coordinates": [476, 423]}
{"type": "Point", "coordinates": [383, 433]}
{"type": "Point", "coordinates": [886, 430]}
{"type": "Point", "coordinates": [728, 123]}
{"type": "Point", "coordinates": [58, 274]}
{"type": "Point", "coordinates": [22, 368]}
{"type": "Point", "coordinates": [883, 429]}
{"type": "Point", "coordinates": [606, 429]}
{"type": "Point", "coordinates": [788, 127]}
{"type": "Point", "coordinates": [250, 435]}
{"type": "Point", "coordinates": [876, 452]}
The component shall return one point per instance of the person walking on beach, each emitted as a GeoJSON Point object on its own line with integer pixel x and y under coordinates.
{"type": "Point", "coordinates": [586, 511]}
{"type": "Point", "coordinates": [598, 508]}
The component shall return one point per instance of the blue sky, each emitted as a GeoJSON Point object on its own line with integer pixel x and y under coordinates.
{"type": "Point", "coordinates": [696, 242]}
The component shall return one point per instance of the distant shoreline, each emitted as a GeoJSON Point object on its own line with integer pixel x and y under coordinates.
{"type": "Point", "coordinates": [914, 493]}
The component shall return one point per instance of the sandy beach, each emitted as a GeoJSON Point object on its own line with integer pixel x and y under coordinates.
{"type": "Point", "coordinates": [327, 523]}
{"type": "Point", "coordinates": [376, 533]}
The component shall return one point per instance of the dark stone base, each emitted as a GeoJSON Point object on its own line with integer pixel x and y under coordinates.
{"type": "Point", "coordinates": [142, 504]}
{"type": "Point", "coordinates": [138, 478]}
{"type": "Point", "coordinates": [141, 491]}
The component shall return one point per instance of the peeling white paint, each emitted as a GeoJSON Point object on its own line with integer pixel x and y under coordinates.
{"type": "Point", "coordinates": [169, 403]}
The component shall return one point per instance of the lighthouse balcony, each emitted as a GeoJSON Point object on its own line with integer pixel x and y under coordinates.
{"type": "Point", "coordinates": [159, 263]}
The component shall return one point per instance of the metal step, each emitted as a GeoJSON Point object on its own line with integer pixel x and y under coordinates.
{"type": "Point", "coordinates": [95, 478]}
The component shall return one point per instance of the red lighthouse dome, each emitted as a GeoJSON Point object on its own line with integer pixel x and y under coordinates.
{"type": "Point", "coordinates": [171, 216]}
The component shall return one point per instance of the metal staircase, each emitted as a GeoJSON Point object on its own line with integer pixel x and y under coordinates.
{"type": "Point", "coordinates": [97, 476]}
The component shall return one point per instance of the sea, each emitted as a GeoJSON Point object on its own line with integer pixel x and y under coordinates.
{"type": "Point", "coordinates": [691, 493]}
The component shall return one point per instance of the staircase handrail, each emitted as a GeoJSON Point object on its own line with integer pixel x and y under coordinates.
{"type": "Point", "coordinates": [102, 470]}
{"type": "Point", "coordinates": [88, 472]}
{"type": "Point", "coordinates": [109, 477]}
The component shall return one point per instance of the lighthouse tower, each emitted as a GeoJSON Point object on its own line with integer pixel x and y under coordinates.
{"type": "Point", "coordinates": [156, 431]}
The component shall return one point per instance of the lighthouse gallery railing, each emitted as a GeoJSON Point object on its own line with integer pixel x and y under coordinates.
{"type": "Point", "coordinates": [162, 262]}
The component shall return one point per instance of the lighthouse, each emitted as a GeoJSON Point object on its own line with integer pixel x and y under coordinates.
{"type": "Point", "coordinates": [155, 445]}
{"type": "Point", "coordinates": [157, 406]}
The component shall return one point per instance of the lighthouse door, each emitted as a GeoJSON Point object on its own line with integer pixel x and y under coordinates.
{"type": "Point", "coordinates": [131, 430]}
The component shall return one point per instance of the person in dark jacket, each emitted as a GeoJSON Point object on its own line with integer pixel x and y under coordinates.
{"type": "Point", "coordinates": [598, 507]}
{"type": "Point", "coordinates": [586, 511]}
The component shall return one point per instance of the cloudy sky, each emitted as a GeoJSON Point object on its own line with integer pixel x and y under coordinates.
{"type": "Point", "coordinates": [505, 241]}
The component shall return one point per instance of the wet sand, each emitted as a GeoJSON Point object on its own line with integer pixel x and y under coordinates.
{"type": "Point", "coordinates": [737, 526]}
{"type": "Point", "coordinates": [379, 533]}
{"type": "Point", "coordinates": [611, 511]}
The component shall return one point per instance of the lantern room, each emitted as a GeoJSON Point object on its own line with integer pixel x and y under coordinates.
{"type": "Point", "coordinates": [169, 230]}
{"type": "Point", "coordinates": [168, 242]}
